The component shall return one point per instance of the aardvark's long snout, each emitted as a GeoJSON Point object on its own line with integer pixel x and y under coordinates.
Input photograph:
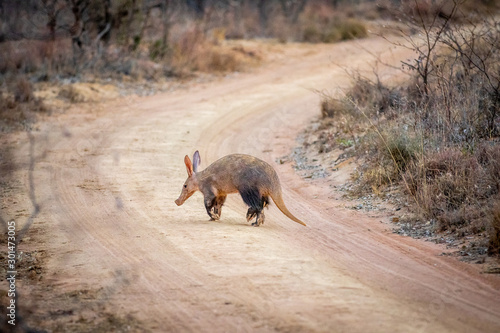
{"type": "Point", "coordinates": [183, 197]}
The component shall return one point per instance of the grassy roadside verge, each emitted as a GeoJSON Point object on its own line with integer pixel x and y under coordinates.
{"type": "Point", "coordinates": [431, 146]}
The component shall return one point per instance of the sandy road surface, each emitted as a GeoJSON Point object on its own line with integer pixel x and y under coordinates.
{"type": "Point", "coordinates": [107, 185]}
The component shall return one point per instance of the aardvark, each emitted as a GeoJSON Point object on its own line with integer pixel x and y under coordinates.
{"type": "Point", "coordinates": [253, 178]}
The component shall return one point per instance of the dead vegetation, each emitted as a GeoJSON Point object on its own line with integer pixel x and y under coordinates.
{"type": "Point", "coordinates": [19, 106]}
{"type": "Point", "coordinates": [59, 39]}
{"type": "Point", "coordinates": [148, 41]}
{"type": "Point", "coordinates": [435, 139]}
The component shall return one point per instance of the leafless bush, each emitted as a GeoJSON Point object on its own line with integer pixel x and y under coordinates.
{"type": "Point", "coordinates": [456, 188]}
{"type": "Point", "coordinates": [40, 59]}
{"type": "Point", "coordinates": [457, 86]}
{"type": "Point", "coordinates": [23, 90]}
{"type": "Point", "coordinates": [334, 32]}
{"type": "Point", "coordinates": [494, 241]}
{"type": "Point", "coordinates": [71, 94]}
{"type": "Point", "coordinates": [18, 105]}
{"type": "Point", "coordinates": [333, 107]}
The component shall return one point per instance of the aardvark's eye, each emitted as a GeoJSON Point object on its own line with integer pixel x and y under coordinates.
{"type": "Point", "coordinates": [185, 186]}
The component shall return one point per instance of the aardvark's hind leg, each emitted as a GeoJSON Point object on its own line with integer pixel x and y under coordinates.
{"type": "Point", "coordinates": [260, 214]}
{"type": "Point", "coordinates": [257, 211]}
{"type": "Point", "coordinates": [260, 219]}
{"type": "Point", "coordinates": [253, 212]}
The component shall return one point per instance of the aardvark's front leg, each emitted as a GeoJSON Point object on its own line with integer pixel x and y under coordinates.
{"type": "Point", "coordinates": [213, 206]}
{"type": "Point", "coordinates": [219, 201]}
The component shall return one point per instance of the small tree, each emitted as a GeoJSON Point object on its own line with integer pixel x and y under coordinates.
{"type": "Point", "coordinates": [432, 30]}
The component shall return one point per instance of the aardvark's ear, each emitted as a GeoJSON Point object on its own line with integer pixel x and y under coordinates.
{"type": "Point", "coordinates": [196, 161]}
{"type": "Point", "coordinates": [189, 166]}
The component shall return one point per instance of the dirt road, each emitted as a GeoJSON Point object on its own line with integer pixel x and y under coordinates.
{"type": "Point", "coordinates": [107, 178]}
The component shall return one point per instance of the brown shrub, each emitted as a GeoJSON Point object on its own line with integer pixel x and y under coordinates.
{"type": "Point", "coordinates": [488, 156]}
{"type": "Point", "coordinates": [194, 51]}
{"type": "Point", "coordinates": [373, 97]}
{"type": "Point", "coordinates": [221, 61]}
{"type": "Point", "coordinates": [32, 56]}
{"type": "Point", "coordinates": [23, 90]}
{"type": "Point", "coordinates": [390, 154]}
{"type": "Point", "coordinates": [459, 190]}
{"type": "Point", "coordinates": [352, 29]}
{"type": "Point", "coordinates": [334, 31]}
{"type": "Point", "coordinates": [494, 231]}
{"type": "Point", "coordinates": [448, 176]}
{"type": "Point", "coordinates": [20, 113]}
{"type": "Point", "coordinates": [312, 34]}
{"type": "Point", "coordinates": [331, 107]}
{"type": "Point", "coordinates": [71, 94]}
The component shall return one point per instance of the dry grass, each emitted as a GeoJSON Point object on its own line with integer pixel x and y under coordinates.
{"type": "Point", "coordinates": [35, 57]}
{"type": "Point", "coordinates": [459, 190]}
{"type": "Point", "coordinates": [337, 108]}
{"type": "Point", "coordinates": [494, 232]}
{"type": "Point", "coordinates": [71, 94]}
{"type": "Point", "coordinates": [453, 182]}
{"type": "Point", "coordinates": [427, 10]}
{"type": "Point", "coordinates": [335, 31]}
{"type": "Point", "coordinates": [19, 106]}
{"type": "Point", "coordinates": [438, 139]}
{"type": "Point", "coordinates": [195, 51]}
{"type": "Point", "coordinates": [22, 90]}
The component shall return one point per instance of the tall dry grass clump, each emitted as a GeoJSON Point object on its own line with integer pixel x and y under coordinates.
{"type": "Point", "coordinates": [326, 24]}
{"type": "Point", "coordinates": [457, 189]}
{"type": "Point", "coordinates": [19, 105]}
{"type": "Point", "coordinates": [196, 50]}
{"type": "Point", "coordinates": [494, 241]}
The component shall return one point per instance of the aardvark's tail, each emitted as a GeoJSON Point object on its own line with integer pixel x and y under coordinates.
{"type": "Point", "coordinates": [278, 200]}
